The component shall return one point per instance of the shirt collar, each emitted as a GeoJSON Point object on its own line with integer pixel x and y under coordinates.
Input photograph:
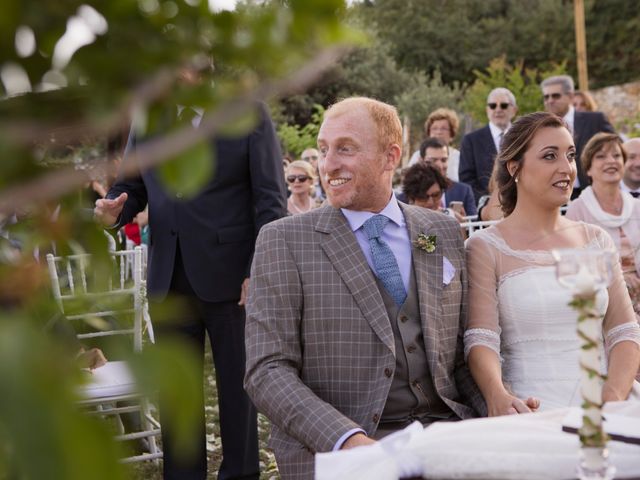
{"type": "Point", "coordinates": [625, 188]}
{"type": "Point", "coordinates": [570, 115]}
{"type": "Point", "coordinates": [496, 131]}
{"type": "Point", "coordinates": [391, 211]}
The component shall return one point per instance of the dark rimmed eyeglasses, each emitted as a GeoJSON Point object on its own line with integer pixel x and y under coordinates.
{"type": "Point", "coordinates": [503, 105]}
{"type": "Point", "coordinates": [555, 96]}
{"type": "Point", "coordinates": [434, 196]}
{"type": "Point", "coordinates": [301, 178]}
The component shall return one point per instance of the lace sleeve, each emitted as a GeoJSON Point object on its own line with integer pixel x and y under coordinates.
{"type": "Point", "coordinates": [483, 326]}
{"type": "Point", "coordinates": [620, 322]}
{"type": "Point", "coordinates": [481, 336]}
{"type": "Point", "coordinates": [620, 333]}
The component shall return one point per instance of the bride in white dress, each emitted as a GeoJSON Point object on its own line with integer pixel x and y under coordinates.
{"type": "Point", "coordinates": [521, 342]}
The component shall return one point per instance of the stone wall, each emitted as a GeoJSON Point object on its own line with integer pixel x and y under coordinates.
{"type": "Point", "coordinates": [620, 103]}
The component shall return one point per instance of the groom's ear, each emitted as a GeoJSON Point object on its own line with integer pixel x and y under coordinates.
{"type": "Point", "coordinates": [392, 156]}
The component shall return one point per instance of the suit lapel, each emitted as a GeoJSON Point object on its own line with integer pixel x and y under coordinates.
{"type": "Point", "coordinates": [428, 272]}
{"type": "Point", "coordinates": [344, 253]}
{"type": "Point", "coordinates": [490, 145]}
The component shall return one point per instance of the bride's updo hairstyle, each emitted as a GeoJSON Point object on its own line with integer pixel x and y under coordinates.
{"type": "Point", "coordinates": [514, 145]}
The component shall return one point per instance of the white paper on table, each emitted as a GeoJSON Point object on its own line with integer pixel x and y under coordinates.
{"type": "Point", "coordinates": [620, 427]}
{"type": "Point", "coordinates": [526, 447]}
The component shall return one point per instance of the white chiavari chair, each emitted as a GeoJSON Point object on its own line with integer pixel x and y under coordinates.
{"type": "Point", "coordinates": [107, 307]}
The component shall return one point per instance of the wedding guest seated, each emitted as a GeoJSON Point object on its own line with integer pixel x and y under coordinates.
{"type": "Point", "coordinates": [584, 102]}
{"type": "Point", "coordinates": [631, 179]}
{"type": "Point", "coordinates": [489, 207]}
{"type": "Point", "coordinates": [521, 342]}
{"type": "Point", "coordinates": [423, 185]}
{"type": "Point", "coordinates": [606, 205]}
{"type": "Point", "coordinates": [436, 153]}
{"type": "Point", "coordinates": [300, 179]}
{"type": "Point", "coordinates": [442, 124]}
{"type": "Point", "coordinates": [311, 156]}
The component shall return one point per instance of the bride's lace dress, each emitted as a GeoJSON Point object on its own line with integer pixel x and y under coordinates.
{"type": "Point", "coordinates": [518, 309]}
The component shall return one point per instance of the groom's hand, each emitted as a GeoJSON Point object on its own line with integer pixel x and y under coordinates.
{"type": "Point", "coordinates": [511, 405]}
{"type": "Point", "coordinates": [357, 440]}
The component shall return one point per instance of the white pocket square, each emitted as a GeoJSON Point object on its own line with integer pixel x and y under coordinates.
{"type": "Point", "coordinates": [448, 271]}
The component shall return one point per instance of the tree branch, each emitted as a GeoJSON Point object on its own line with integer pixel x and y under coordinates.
{"type": "Point", "coordinates": [55, 184]}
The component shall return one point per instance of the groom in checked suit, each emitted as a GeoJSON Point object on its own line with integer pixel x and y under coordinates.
{"type": "Point", "coordinates": [354, 331]}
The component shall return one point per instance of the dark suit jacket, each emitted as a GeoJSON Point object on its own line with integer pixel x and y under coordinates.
{"type": "Point", "coordinates": [585, 126]}
{"type": "Point", "coordinates": [461, 192]}
{"type": "Point", "coordinates": [217, 228]}
{"type": "Point", "coordinates": [477, 154]}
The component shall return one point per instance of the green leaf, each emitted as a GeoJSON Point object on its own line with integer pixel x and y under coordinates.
{"type": "Point", "coordinates": [186, 174]}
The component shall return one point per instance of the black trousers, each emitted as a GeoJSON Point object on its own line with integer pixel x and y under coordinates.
{"type": "Point", "coordinates": [223, 323]}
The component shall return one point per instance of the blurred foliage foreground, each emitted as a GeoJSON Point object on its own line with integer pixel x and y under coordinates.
{"type": "Point", "coordinates": [73, 74]}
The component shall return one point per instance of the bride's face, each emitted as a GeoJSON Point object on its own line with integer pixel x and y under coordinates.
{"type": "Point", "coordinates": [549, 168]}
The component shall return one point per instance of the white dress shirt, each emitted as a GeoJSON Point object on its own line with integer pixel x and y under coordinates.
{"type": "Point", "coordinates": [497, 134]}
{"type": "Point", "coordinates": [625, 188]}
{"type": "Point", "coordinates": [569, 118]}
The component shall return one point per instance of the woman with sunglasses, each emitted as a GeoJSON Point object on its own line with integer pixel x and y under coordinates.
{"type": "Point", "coordinates": [300, 178]}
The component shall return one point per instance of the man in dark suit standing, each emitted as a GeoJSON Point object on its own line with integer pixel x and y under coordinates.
{"type": "Point", "coordinates": [479, 148]}
{"type": "Point", "coordinates": [200, 251]}
{"type": "Point", "coordinates": [558, 93]}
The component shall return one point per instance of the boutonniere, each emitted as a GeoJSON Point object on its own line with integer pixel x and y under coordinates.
{"type": "Point", "coordinates": [426, 242]}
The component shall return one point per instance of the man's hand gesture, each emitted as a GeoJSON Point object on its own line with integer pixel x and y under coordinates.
{"type": "Point", "coordinates": [107, 211]}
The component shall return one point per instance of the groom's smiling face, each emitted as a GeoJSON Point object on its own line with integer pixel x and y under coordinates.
{"type": "Point", "coordinates": [355, 171]}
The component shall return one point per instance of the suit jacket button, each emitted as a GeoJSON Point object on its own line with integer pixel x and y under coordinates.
{"type": "Point", "coordinates": [403, 318]}
{"type": "Point", "coordinates": [376, 417]}
{"type": "Point", "coordinates": [387, 372]}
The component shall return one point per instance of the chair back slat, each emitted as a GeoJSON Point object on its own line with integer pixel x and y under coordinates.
{"type": "Point", "coordinates": [122, 296]}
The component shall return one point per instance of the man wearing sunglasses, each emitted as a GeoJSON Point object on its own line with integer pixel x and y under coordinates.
{"type": "Point", "coordinates": [557, 94]}
{"type": "Point", "coordinates": [480, 147]}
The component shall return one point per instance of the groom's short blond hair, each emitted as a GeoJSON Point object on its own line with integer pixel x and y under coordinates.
{"type": "Point", "coordinates": [385, 117]}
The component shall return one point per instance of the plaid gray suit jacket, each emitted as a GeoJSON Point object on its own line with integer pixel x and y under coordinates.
{"type": "Point", "coordinates": [319, 342]}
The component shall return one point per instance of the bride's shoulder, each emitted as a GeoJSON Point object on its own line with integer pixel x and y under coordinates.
{"type": "Point", "coordinates": [590, 232]}
{"type": "Point", "coordinates": [489, 236]}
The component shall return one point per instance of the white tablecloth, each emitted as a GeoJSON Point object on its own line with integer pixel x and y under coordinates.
{"type": "Point", "coordinates": [531, 446]}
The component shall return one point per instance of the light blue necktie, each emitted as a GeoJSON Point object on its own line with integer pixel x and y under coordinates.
{"type": "Point", "coordinates": [384, 262]}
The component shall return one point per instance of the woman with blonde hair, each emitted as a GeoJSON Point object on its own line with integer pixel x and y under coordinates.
{"type": "Point", "coordinates": [300, 177]}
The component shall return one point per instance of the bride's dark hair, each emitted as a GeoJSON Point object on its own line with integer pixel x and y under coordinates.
{"type": "Point", "coordinates": [514, 145]}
